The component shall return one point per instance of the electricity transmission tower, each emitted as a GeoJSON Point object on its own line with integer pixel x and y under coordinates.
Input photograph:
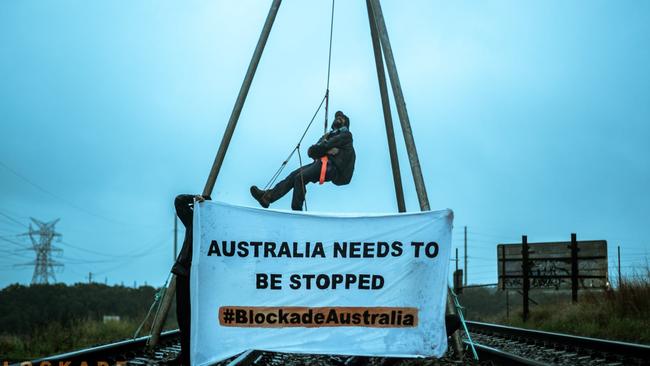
{"type": "Point", "coordinates": [41, 238]}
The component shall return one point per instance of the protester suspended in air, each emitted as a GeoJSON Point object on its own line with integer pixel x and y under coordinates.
{"type": "Point", "coordinates": [334, 159]}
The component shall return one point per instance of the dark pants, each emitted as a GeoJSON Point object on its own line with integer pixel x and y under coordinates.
{"type": "Point", "coordinates": [183, 315]}
{"type": "Point", "coordinates": [310, 174]}
{"type": "Point", "coordinates": [452, 324]}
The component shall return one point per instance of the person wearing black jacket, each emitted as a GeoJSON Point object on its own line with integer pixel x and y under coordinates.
{"type": "Point", "coordinates": [184, 204]}
{"type": "Point", "coordinates": [333, 149]}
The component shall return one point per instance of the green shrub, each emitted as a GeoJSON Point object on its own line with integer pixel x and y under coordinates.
{"type": "Point", "coordinates": [621, 314]}
{"type": "Point", "coordinates": [42, 320]}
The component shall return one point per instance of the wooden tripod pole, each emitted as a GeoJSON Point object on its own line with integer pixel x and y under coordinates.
{"type": "Point", "coordinates": [408, 137]}
{"type": "Point", "coordinates": [385, 103]}
{"type": "Point", "coordinates": [401, 107]}
{"type": "Point", "coordinates": [221, 154]}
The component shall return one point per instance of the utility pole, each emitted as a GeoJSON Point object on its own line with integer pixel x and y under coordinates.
{"type": "Point", "coordinates": [508, 304]}
{"type": "Point", "coordinates": [41, 239]}
{"type": "Point", "coordinates": [502, 279]}
{"type": "Point", "coordinates": [90, 277]}
{"type": "Point", "coordinates": [465, 268]}
{"type": "Point", "coordinates": [175, 237]}
{"type": "Point", "coordinates": [574, 268]}
{"type": "Point", "coordinates": [618, 249]}
{"type": "Point", "coordinates": [526, 279]}
{"type": "Point", "coordinates": [458, 277]}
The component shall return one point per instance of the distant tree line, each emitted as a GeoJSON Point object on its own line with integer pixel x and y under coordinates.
{"type": "Point", "coordinates": [26, 308]}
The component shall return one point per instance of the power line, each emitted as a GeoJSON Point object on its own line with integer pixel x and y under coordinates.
{"type": "Point", "coordinates": [110, 269]}
{"type": "Point", "coordinates": [91, 251]}
{"type": "Point", "coordinates": [141, 250]}
{"type": "Point", "coordinates": [14, 253]}
{"type": "Point", "coordinates": [121, 260]}
{"type": "Point", "coordinates": [56, 196]}
{"type": "Point", "coordinates": [12, 219]}
{"type": "Point", "coordinates": [20, 245]}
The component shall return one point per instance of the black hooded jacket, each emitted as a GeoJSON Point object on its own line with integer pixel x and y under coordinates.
{"type": "Point", "coordinates": [184, 204]}
{"type": "Point", "coordinates": [337, 145]}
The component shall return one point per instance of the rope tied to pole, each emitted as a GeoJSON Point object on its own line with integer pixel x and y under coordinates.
{"type": "Point", "coordinates": [302, 137]}
{"type": "Point", "coordinates": [302, 179]}
{"type": "Point", "coordinates": [459, 310]}
{"type": "Point", "coordinates": [156, 301]}
{"type": "Point", "coordinates": [325, 101]}
{"type": "Point", "coordinates": [329, 68]}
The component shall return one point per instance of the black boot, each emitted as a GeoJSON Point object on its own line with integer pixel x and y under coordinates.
{"type": "Point", "coordinates": [261, 196]}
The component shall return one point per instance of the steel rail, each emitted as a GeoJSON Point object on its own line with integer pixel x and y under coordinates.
{"type": "Point", "coordinates": [596, 344]}
{"type": "Point", "coordinates": [245, 358]}
{"type": "Point", "coordinates": [126, 350]}
{"type": "Point", "coordinates": [501, 357]}
{"type": "Point", "coordinates": [105, 353]}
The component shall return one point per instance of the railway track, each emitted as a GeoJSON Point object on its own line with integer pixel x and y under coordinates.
{"type": "Point", "coordinates": [533, 347]}
{"type": "Point", "coordinates": [495, 345]}
{"type": "Point", "coordinates": [131, 352]}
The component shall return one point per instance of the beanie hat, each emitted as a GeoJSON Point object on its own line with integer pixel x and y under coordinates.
{"type": "Point", "coordinates": [345, 118]}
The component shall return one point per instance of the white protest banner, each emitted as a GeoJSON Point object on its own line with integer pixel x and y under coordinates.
{"type": "Point", "coordinates": [371, 285]}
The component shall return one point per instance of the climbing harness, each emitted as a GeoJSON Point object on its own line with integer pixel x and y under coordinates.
{"type": "Point", "coordinates": [323, 169]}
{"type": "Point", "coordinates": [325, 100]}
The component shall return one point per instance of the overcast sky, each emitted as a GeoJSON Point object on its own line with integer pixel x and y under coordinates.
{"type": "Point", "coordinates": [530, 117]}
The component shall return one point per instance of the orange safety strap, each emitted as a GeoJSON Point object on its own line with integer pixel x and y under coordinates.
{"type": "Point", "coordinates": [323, 169]}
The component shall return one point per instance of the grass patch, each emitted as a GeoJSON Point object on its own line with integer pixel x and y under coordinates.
{"type": "Point", "coordinates": [55, 338]}
{"type": "Point", "coordinates": [43, 320]}
{"type": "Point", "coordinates": [620, 314]}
